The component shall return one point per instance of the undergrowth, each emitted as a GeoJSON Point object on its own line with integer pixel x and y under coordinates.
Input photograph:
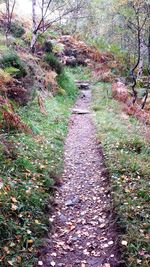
{"type": "Point", "coordinates": [12, 64]}
{"type": "Point", "coordinates": [53, 62]}
{"type": "Point", "coordinates": [127, 155]}
{"type": "Point", "coordinates": [81, 73]}
{"type": "Point", "coordinates": [29, 166]}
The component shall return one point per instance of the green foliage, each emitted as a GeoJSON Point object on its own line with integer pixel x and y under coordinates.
{"type": "Point", "coordinates": [81, 73]}
{"type": "Point", "coordinates": [16, 29]}
{"type": "Point", "coordinates": [127, 156]}
{"type": "Point", "coordinates": [20, 42]}
{"type": "Point", "coordinates": [100, 43]}
{"type": "Point", "coordinates": [66, 81]}
{"type": "Point", "coordinates": [12, 60]}
{"type": "Point", "coordinates": [12, 71]}
{"type": "Point", "coordinates": [53, 62]}
{"type": "Point", "coordinates": [27, 37]}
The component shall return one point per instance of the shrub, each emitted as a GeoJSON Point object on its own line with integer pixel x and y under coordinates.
{"type": "Point", "coordinates": [9, 120]}
{"type": "Point", "coordinates": [12, 60]}
{"type": "Point", "coordinates": [12, 71]}
{"type": "Point", "coordinates": [66, 81]}
{"type": "Point", "coordinates": [99, 43]}
{"type": "Point", "coordinates": [54, 63]}
{"type": "Point", "coordinates": [48, 47]}
{"type": "Point", "coordinates": [27, 37]}
{"type": "Point", "coordinates": [20, 42]}
{"type": "Point", "coordinates": [4, 77]}
{"type": "Point", "coordinates": [17, 30]}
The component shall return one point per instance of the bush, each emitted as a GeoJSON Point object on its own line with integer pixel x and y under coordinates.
{"type": "Point", "coordinates": [17, 30]}
{"type": "Point", "coordinates": [48, 47]}
{"type": "Point", "coordinates": [54, 63]}
{"type": "Point", "coordinates": [99, 43]}
{"type": "Point", "coordinates": [27, 37]}
{"type": "Point", "coordinates": [12, 71]}
{"type": "Point", "coordinates": [4, 77]}
{"type": "Point", "coordinates": [11, 60]}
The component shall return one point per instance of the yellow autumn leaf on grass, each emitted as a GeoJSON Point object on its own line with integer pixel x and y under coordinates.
{"type": "Point", "coordinates": [6, 249]}
{"type": "Point", "coordinates": [37, 222]}
{"type": "Point", "coordinates": [18, 258]}
{"type": "Point", "coordinates": [14, 200]}
{"type": "Point", "coordinates": [30, 241]}
{"type": "Point", "coordinates": [13, 207]}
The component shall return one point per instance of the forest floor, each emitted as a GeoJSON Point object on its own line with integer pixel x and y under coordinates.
{"type": "Point", "coordinates": [84, 232]}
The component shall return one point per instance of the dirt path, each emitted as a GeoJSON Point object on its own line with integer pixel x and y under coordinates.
{"type": "Point", "coordinates": [84, 233]}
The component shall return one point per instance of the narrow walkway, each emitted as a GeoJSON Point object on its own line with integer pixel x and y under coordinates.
{"type": "Point", "coordinates": [84, 233]}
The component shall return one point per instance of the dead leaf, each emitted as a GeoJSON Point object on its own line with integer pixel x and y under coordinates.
{"type": "Point", "coordinates": [13, 207]}
{"type": "Point", "coordinates": [40, 263]}
{"type": "Point", "coordinates": [14, 200]}
{"type": "Point", "coordinates": [18, 258]}
{"type": "Point", "coordinates": [53, 263]}
{"type": "Point", "coordinates": [102, 225]}
{"type": "Point", "coordinates": [124, 243]}
{"type": "Point", "coordinates": [30, 241]}
{"type": "Point", "coordinates": [10, 263]}
{"type": "Point", "coordinates": [107, 265]}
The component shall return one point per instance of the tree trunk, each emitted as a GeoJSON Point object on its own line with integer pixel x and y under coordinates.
{"type": "Point", "coordinates": [136, 65]}
{"type": "Point", "coordinates": [141, 62]}
{"type": "Point", "coordinates": [148, 82]}
{"type": "Point", "coordinates": [34, 25]}
{"type": "Point", "coordinates": [7, 3]}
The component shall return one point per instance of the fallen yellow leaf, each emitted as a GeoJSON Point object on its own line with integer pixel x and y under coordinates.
{"type": "Point", "coordinates": [30, 241]}
{"type": "Point", "coordinates": [37, 222]}
{"type": "Point", "coordinates": [13, 207]}
{"type": "Point", "coordinates": [14, 200]}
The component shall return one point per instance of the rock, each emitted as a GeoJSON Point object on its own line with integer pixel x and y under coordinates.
{"type": "Point", "coordinates": [63, 218]}
{"type": "Point", "coordinates": [72, 202]}
{"type": "Point", "coordinates": [74, 239]}
{"type": "Point", "coordinates": [69, 203]}
{"type": "Point", "coordinates": [80, 111]}
{"type": "Point", "coordinates": [71, 61]}
{"type": "Point", "coordinates": [83, 85]}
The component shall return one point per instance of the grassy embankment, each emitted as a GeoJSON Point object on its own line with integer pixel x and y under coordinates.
{"type": "Point", "coordinates": [127, 155]}
{"type": "Point", "coordinates": [29, 164]}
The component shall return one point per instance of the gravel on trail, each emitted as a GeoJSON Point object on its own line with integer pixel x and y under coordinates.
{"type": "Point", "coordinates": [84, 232]}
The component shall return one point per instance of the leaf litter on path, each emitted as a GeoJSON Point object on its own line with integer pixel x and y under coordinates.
{"type": "Point", "coordinates": [84, 233]}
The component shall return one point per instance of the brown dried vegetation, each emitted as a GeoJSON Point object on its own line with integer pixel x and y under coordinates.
{"type": "Point", "coordinates": [120, 93]}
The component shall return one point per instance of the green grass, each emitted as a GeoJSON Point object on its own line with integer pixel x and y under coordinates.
{"type": "Point", "coordinates": [29, 164]}
{"type": "Point", "coordinates": [81, 73]}
{"type": "Point", "coordinates": [66, 81]}
{"type": "Point", "coordinates": [127, 156]}
{"type": "Point", "coordinates": [53, 62]}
